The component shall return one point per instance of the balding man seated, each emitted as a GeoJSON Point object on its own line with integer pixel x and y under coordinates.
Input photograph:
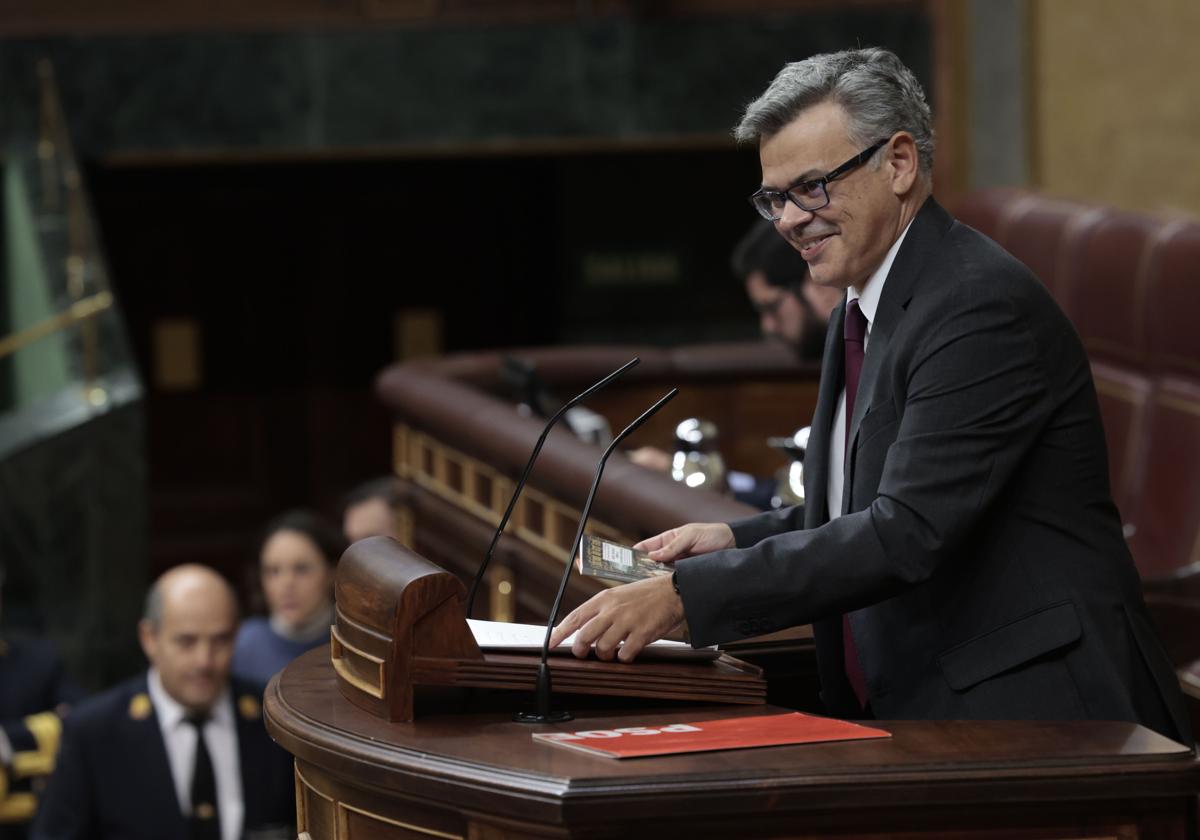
{"type": "Point", "coordinates": [177, 752]}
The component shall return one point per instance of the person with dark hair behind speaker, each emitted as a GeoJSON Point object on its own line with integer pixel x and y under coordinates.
{"type": "Point", "coordinates": [369, 510]}
{"type": "Point", "coordinates": [792, 311]}
{"type": "Point", "coordinates": [296, 560]}
{"type": "Point", "coordinates": [791, 308]}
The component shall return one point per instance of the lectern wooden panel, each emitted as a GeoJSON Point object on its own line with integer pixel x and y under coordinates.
{"type": "Point", "coordinates": [399, 624]}
{"type": "Point", "coordinates": [469, 771]}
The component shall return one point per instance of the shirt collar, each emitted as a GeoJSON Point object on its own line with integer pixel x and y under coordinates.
{"type": "Point", "coordinates": [868, 296]}
{"type": "Point", "coordinates": [171, 713]}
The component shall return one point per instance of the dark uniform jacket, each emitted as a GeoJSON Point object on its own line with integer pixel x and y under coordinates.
{"type": "Point", "coordinates": [32, 680]}
{"type": "Point", "coordinates": [113, 779]}
{"type": "Point", "coordinates": [980, 556]}
{"type": "Point", "coordinates": [33, 685]}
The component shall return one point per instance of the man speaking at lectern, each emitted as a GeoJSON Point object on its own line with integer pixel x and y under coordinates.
{"type": "Point", "coordinates": [960, 556]}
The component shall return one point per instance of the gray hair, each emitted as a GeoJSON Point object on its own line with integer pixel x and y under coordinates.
{"type": "Point", "coordinates": [153, 609]}
{"type": "Point", "coordinates": [878, 93]}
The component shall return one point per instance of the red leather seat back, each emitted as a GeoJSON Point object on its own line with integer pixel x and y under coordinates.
{"type": "Point", "coordinates": [1167, 517]}
{"type": "Point", "coordinates": [987, 210]}
{"type": "Point", "coordinates": [1173, 302]}
{"type": "Point", "coordinates": [1104, 286]}
{"type": "Point", "coordinates": [1046, 234]}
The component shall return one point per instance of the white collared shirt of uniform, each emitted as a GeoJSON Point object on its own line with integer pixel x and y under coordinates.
{"type": "Point", "coordinates": [220, 735]}
{"type": "Point", "coordinates": [868, 302]}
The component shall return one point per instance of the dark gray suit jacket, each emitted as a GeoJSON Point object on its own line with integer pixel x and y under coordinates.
{"type": "Point", "coordinates": [980, 556]}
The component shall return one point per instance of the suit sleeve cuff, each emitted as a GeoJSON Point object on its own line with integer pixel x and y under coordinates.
{"type": "Point", "coordinates": [754, 529]}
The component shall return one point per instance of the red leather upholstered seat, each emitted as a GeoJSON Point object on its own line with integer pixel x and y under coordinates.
{"type": "Point", "coordinates": [1046, 235]}
{"type": "Point", "coordinates": [1103, 288]}
{"type": "Point", "coordinates": [1167, 539]}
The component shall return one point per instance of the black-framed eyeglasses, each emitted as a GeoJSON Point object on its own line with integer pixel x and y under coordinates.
{"type": "Point", "coordinates": [811, 194]}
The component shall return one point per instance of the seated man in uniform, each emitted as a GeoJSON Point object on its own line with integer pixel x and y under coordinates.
{"type": "Point", "coordinates": [177, 752]}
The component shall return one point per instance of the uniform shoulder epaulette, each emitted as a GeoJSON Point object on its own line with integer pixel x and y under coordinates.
{"type": "Point", "coordinates": [249, 707]}
{"type": "Point", "coordinates": [140, 706]}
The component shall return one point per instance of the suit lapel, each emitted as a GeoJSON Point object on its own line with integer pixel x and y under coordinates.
{"type": "Point", "coordinates": [816, 457]}
{"type": "Point", "coordinates": [251, 765]}
{"type": "Point", "coordinates": [156, 787]}
{"type": "Point", "coordinates": [929, 226]}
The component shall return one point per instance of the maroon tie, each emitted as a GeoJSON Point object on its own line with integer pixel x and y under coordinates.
{"type": "Point", "coordinates": [854, 334]}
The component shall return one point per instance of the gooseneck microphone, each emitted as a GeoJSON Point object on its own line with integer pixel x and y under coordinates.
{"type": "Point", "coordinates": [512, 503]}
{"type": "Point", "coordinates": [542, 713]}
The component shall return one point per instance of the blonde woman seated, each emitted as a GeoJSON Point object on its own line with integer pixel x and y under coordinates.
{"type": "Point", "coordinates": [297, 557]}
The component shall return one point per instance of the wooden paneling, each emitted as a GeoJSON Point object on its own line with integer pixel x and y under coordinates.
{"type": "Point", "coordinates": [1114, 101]}
{"type": "Point", "coordinates": [360, 816]}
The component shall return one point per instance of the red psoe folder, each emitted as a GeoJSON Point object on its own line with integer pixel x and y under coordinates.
{"type": "Point", "coordinates": [709, 735]}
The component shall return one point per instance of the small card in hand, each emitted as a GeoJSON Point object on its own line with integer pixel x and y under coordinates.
{"type": "Point", "coordinates": [606, 559]}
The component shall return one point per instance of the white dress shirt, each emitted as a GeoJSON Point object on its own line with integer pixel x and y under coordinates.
{"type": "Point", "coordinates": [868, 302]}
{"type": "Point", "coordinates": [220, 735]}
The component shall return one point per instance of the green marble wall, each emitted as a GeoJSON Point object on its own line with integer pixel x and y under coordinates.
{"type": "Point", "coordinates": [39, 369]}
{"type": "Point", "coordinates": [614, 78]}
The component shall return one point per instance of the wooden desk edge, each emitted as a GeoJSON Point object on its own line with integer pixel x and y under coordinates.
{"type": "Point", "coordinates": [444, 780]}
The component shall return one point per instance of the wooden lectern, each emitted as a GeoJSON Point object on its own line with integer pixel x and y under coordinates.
{"type": "Point", "coordinates": [469, 771]}
{"type": "Point", "coordinates": [399, 624]}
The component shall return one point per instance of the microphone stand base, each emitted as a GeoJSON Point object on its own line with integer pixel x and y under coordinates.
{"type": "Point", "coordinates": [548, 717]}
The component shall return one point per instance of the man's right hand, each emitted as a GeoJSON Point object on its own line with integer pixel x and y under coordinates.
{"type": "Point", "coordinates": [687, 541]}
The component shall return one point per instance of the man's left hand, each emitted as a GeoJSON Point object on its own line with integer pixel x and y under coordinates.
{"type": "Point", "coordinates": [621, 621]}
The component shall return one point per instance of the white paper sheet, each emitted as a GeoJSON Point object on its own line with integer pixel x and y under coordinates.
{"type": "Point", "coordinates": [502, 635]}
